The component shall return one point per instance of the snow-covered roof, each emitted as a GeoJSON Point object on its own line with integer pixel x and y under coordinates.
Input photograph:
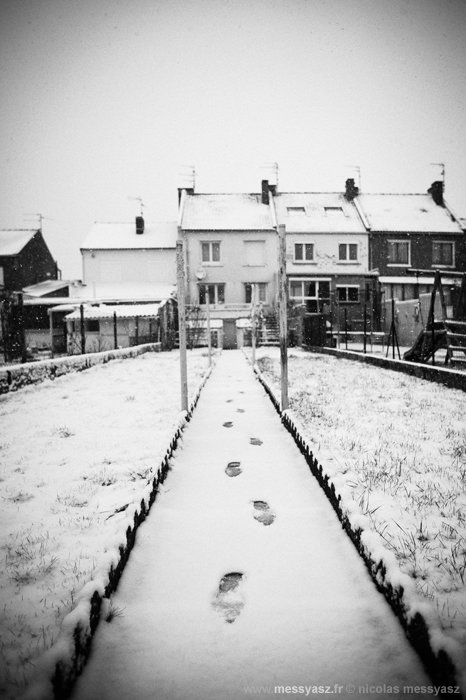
{"type": "Point", "coordinates": [121, 291]}
{"type": "Point", "coordinates": [41, 289]}
{"type": "Point", "coordinates": [225, 212]}
{"type": "Point", "coordinates": [12, 241]}
{"type": "Point", "coordinates": [416, 213]}
{"type": "Point", "coordinates": [92, 313]}
{"type": "Point", "coordinates": [317, 212]}
{"type": "Point", "coordinates": [120, 236]}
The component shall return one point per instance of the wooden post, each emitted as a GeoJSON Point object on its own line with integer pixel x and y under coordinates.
{"type": "Point", "coordinates": [393, 326]}
{"type": "Point", "coordinates": [346, 328]}
{"type": "Point", "coordinates": [22, 330]}
{"type": "Point", "coordinates": [253, 323]}
{"type": "Point", "coordinates": [50, 312]}
{"type": "Point", "coordinates": [136, 329]}
{"type": "Point", "coordinates": [83, 338]}
{"type": "Point", "coordinates": [180, 278]}
{"type": "Point", "coordinates": [115, 331]}
{"type": "Point", "coordinates": [282, 297]}
{"type": "Point", "coordinates": [209, 340]}
{"type": "Point", "coordinates": [433, 336]}
{"type": "Point", "coordinates": [365, 326]}
{"type": "Point", "coordinates": [338, 318]}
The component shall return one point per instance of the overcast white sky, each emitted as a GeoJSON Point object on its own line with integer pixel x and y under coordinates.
{"type": "Point", "coordinates": [107, 99]}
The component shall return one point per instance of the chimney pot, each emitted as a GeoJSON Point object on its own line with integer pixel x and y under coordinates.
{"type": "Point", "coordinates": [436, 191]}
{"type": "Point", "coordinates": [265, 191]}
{"type": "Point", "coordinates": [139, 225]}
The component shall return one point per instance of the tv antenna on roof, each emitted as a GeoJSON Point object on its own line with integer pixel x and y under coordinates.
{"type": "Point", "coordinates": [274, 168]}
{"type": "Point", "coordinates": [141, 203]}
{"type": "Point", "coordinates": [441, 165]}
{"type": "Point", "coordinates": [190, 176]}
{"type": "Point", "coordinates": [41, 217]}
{"type": "Point", "coordinates": [358, 169]}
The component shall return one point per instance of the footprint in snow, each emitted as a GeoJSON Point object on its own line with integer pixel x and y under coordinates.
{"type": "Point", "coordinates": [228, 424]}
{"type": "Point", "coordinates": [264, 515]}
{"type": "Point", "coordinates": [229, 602]}
{"type": "Point", "coordinates": [229, 400]}
{"type": "Point", "coordinates": [255, 441]}
{"type": "Point", "coordinates": [233, 469]}
{"type": "Point", "coordinates": [240, 410]}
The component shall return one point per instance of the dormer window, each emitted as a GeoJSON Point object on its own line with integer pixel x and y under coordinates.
{"type": "Point", "coordinates": [295, 211]}
{"type": "Point", "coordinates": [333, 211]}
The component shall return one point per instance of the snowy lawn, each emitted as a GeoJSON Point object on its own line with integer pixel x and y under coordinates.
{"type": "Point", "coordinates": [75, 453]}
{"type": "Point", "coordinates": [396, 445]}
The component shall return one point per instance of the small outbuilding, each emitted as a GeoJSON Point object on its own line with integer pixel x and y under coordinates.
{"type": "Point", "coordinates": [94, 328]}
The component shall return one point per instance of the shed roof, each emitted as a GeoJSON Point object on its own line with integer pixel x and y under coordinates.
{"type": "Point", "coordinates": [225, 212]}
{"type": "Point", "coordinates": [12, 241]}
{"type": "Point", "coordinates": [317, 212]}
{"type": "Point", "coordinates": [121, 236]}
{"type": "Point", "coordinates": [416, 213]}
{"type": "Point", "coordinates": [103, 311]}
{"type": "Point", "coordinates": [42, 289]}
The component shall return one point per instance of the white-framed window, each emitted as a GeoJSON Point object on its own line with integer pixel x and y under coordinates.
{"type": "Point", "coordinates": [254, 253]}
{"type": "Point", "coordinates": [348, 252]}
{"type": "Point", "coordinates": [2, 277]}
{"type": "Point", "coordinates": [295, 211]}
{"type": "Point", "coordinates": [313, 294]}
{"type": "Point", "coordinates": [216, 293]}
{"type": "Point", "coordinates": [443, 253]}
{"type": "Point", "coordinates": [399, 253]}
{"type": "Point", "coordinates": [348, 294]}
{"type": "Point", "coordinates": [261, 292]}
{"type": "Point", "coordinates": [210, 252]}
{"type": "Point", "coordinates": [303, 252]}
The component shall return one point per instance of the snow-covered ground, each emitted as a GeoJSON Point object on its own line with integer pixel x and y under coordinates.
{"type": "Point", "coordinates": [395, 445]}
{"type": "Point", "coordinates": [242, 580]}
{"type": "Point", "coordinates": [74, 453]}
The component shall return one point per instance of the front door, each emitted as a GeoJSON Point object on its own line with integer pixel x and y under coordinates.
{"type": "Point", "coordinates": [229, 334]}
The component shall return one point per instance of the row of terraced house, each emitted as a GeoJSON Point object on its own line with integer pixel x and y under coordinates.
{"type": "Point", "coordinates": [347, 254]}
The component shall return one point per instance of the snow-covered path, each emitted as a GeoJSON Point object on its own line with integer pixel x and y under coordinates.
{"type": "Point", "coordinates": [305, 612]}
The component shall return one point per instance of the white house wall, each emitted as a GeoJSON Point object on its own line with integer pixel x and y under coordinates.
{"type": "Point", "coordinates": [129, 266]}
{"type": "Point", "coordinates": [233, 270]}
{"type": "Point", "coordinates": [326, 254]}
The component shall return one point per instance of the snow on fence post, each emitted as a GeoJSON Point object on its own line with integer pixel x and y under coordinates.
{"type": "Point", "coordinates": [282, 314]}
{"type": "Point", "coordinates": [180, 278]}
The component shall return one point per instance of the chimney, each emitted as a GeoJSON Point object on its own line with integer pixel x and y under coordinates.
{"type": "Point", "coordinates": [436, 190]}
{"type": "Point", "coordinates": [189, 190]}
{"type": "Point", "coordinates": [351, 190]}
{"type": "Point", "coordinates": [265, 191]}
{"type": "Point", "coordinates": [139, 225]}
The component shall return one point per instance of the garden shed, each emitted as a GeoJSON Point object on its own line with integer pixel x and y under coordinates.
{"type": "Point", "coordinates": [93, 328]}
